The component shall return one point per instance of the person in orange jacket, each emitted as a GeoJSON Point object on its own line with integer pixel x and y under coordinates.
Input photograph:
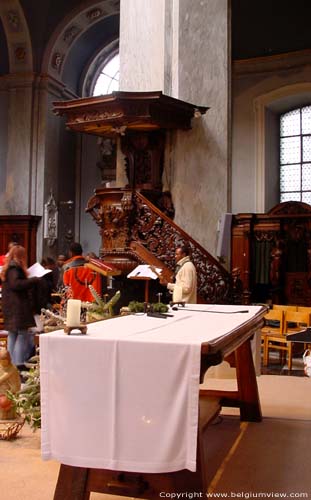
{"type": "Point", "coordinates": [78, 277]}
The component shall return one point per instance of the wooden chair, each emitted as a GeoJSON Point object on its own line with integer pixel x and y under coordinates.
{"type": "Point", "coordinates": [285, 307]}
{"type": "Point", "coordinates": [274, 324]}
{"type": "Point", "coordinates": [307, 310]}
{"type": "Point", "coordinates": [294, 321]}
{"type": "Point", "coordinates": [304, 309]}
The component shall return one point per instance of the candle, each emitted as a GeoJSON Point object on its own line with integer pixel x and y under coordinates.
{"type": "Point", "coordinates": [73, 312]}
{"type": "Point", "coordinates": [177, 293]}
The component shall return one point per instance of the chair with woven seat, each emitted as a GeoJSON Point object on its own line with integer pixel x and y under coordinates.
{"type": "Point", "coordinates": [294, 321]}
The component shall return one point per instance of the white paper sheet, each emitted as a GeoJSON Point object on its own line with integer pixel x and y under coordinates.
{"type": "Point", "coordinates": [36, 270]}
{"type": "Point", "coordinates": [144, 271]}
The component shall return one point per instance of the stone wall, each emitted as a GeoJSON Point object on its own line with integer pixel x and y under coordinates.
{"type": "Point", "coordinates": [262, 90]}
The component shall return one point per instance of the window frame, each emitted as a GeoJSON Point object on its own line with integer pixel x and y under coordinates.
{"type": "Point", "coordinates": [99, 73]}
{"type": "Point", "coordinates": [267, 108]}
{"type": "Point", "coordinates": [301, 135]}
{"type": "Point", "coordinates": [94, 68]}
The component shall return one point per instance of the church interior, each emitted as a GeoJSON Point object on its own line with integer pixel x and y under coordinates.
{"type": "Point", "coordinates": [135, 126]}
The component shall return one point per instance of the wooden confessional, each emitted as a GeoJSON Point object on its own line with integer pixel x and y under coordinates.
{"type": "Point", "coordinates": [273, 253]}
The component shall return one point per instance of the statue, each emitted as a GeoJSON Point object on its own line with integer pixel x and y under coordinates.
{"type": "Point", "coordinates": [237, 286]}
{"type": "Point", "coordinates": [108, 161]}
{"type": "Point", "coordinates": [9, 381]}
{"type": "Point", "coordinates": [275, 266]}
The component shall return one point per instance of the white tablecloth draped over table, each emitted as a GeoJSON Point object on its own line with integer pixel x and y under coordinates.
{"type": "Point", "coordinates": [125, 396]}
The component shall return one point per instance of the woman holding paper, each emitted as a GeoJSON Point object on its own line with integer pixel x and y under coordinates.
{"type": "Point", "coordinates": [17, 305]}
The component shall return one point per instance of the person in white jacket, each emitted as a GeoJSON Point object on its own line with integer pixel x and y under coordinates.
{"type": "Point", "coordinates": [185, 287]}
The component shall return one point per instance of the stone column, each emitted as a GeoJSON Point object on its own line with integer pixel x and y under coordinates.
{"type": "Point", "coordinates": [15, 198]}
{"type": "Point", "coordinates": [142, 34]}
{"type": "Point", "coordinates": [201, 159]}
{"type": "Point", "coordinates": [34, 162]}
{"type": "Point", "coordinates": [182, 47]}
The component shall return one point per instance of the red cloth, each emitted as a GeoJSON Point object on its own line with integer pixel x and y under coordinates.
{"type": "Point", "coordinates": [2, 259]}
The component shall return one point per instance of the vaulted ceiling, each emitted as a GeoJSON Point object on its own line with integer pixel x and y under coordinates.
{"type": "Point", "coordinates": [259, 28]}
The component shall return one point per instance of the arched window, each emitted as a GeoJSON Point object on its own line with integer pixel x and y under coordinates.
{"type": "Point", "coordinates": [295, 155]}
{"type": "Point", "coordinates": [108, 79]}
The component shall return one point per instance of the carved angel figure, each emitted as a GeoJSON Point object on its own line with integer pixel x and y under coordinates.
{"type": "Point", "coordinates": [9, 381]}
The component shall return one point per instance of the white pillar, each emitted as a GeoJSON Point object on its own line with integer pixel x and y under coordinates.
{"type": "Point", "coordinates": [142, 45]}
{"type": "Point", "coordinates": [182, 47]}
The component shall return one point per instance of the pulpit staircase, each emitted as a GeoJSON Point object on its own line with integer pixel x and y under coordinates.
{"type": "Point", "coordinates": [134, 231]}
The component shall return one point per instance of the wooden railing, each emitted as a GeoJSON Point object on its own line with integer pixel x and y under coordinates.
{"type": "Point", "coordinates": [159, 235]}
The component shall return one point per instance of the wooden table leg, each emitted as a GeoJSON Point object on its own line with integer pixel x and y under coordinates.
{"type": "Point", "coordinates": [250, 410]}
{"type": "Point", "coordinates": [71, 483]}
{"type": "Point", "coordinates": [76, 483]}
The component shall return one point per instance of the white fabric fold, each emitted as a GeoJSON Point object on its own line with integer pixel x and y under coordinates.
{"type": "Point", "coordinates": [125, 396]}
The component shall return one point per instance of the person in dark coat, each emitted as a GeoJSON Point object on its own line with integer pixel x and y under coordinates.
{"type": "Point", "coordinates": [17, 305]}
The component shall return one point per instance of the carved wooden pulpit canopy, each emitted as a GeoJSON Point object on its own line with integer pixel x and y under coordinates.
{"type": "Point", "coordinates": [140, 119]}
{"type": "Point", "coordinates": [121, 112]}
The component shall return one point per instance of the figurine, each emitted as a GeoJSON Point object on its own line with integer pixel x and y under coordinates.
{"type": "Point", "coordinates": [9, 381]}
{"type": "Point", "coordinates": [275, 265]}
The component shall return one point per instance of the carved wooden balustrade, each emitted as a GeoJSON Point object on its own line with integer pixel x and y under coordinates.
{"type": "Point", "coordinates": [160, 235]}
{"type": "Point", "coordinates": [133, 231]}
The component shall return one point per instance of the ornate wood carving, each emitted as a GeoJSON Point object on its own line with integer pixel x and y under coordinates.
{"type": "Point", "coordinates": [144, 154]}
{"type": "Point", "coordinates": [290, 208]}
{"type": "Point", "coordinates": [111, 209]}
{"type": "Point", "coordinates": [133, 230]}
{"type": "Point", "coordinates": [274, 253]}
{"type": "Point", "coordinates": [120, 111]}
{"type": "Point", "coordinates": [160, 235]}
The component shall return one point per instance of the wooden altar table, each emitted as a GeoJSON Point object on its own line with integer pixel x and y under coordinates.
{"type": "Point", "coordinates": [121, 437]}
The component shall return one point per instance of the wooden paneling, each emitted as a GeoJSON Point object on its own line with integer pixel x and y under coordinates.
{"type": "Point", "coordinates": [273, 253]}
{"type": "Point", "coordinates": [23, 230]}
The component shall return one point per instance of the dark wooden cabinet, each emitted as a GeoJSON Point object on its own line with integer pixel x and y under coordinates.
{"type": "Point", "coordinates": [273, 253]}
{"type": "Point", "coordinates": [23, 230]}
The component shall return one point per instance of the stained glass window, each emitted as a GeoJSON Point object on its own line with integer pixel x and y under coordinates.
{"type": "Point", "coordinates": [108, 80]}
{"type": "Point", "coordinates": [295, 155]}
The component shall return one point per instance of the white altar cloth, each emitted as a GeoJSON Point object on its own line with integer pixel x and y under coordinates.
{"type": "Point", "coordinates": [125, 396]}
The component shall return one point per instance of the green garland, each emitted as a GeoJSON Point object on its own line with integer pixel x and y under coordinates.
{"type": "Point", "coordinates": [27, 400]}
{"type": "Point", "coordinates": [139, 307]}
